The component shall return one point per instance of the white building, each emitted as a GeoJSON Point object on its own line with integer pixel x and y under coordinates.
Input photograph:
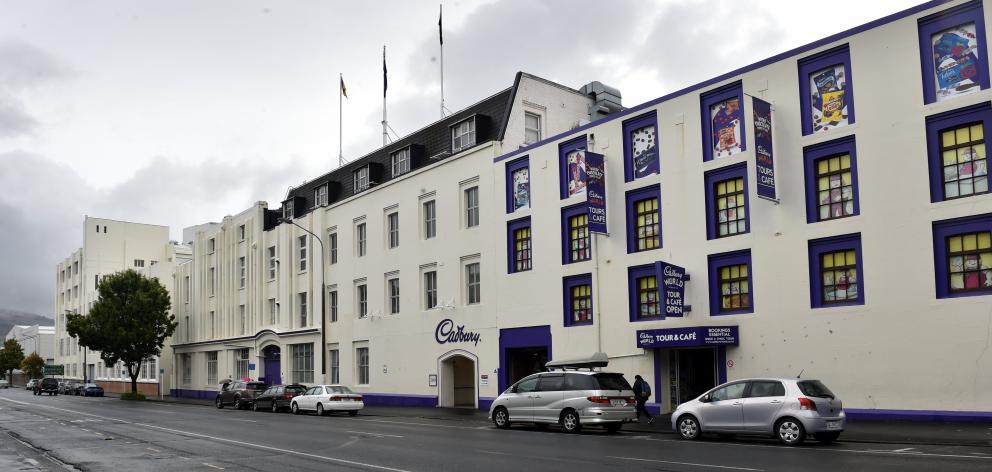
{"type": "Point", "coordinates": [35, 339]}
{"type": "Point", "coordinates": [111, 246]}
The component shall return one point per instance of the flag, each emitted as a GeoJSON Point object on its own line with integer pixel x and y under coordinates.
{"type": "Point", "coordinates": [440, 34]}
{"type": "Point", "coordinates": [384, 82]}
{"type": "Point", "coordinates": [344, 90]}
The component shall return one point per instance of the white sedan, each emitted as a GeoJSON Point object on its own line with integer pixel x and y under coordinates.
{"type": "Point", "coordinates": [322, 399]}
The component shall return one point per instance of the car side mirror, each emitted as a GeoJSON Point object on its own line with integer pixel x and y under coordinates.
{"type": "Point", "coordinates": [705, 398]}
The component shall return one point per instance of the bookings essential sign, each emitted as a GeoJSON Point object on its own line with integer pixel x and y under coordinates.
{"type": "Point", "coordinates": [672, 288]}
{"type": "Point", "coordinates": [596, 192]}
{"type": "Point", "coordinates": [763, 152]}
{"type": "Point", "coordinates": [688, 337]}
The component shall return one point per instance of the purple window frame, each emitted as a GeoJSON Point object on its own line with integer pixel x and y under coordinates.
{"type": "Point", "coordinates": [950, 119]}
{"type": "Point", "coordinates": [511, 246]}
{"type": "Point", "coordinates": [816, 152]}
{"type": "Point", "coordinates": [710, 98]}
{"type": "Point", "coordinates": [949, 18]}
{"type": "Point", "coordinates": [633, 302]}
{"type": "Point", "coordinates": [819, 61]}
{"type": "Point", "coordinates": [647, 119]}
{"type": "Point", "coordinates": [567, 284]}
{"type": "Point", "coordinates": [941, 231]}
{"type": "Point", "coordinates": [563, 150]}
{"type": "Point", "coordinates": [715, 262]}
{"type": "Point", "coordinates": [710, 179]}
{"type": "Point", "coordinates": [634, 196]}
{"type": "Point", "coordinates": [566, 247]}
{"type": "Point", "coordinates": [511, 167]}
{"type": "Point", "coordinates": [819, 247]}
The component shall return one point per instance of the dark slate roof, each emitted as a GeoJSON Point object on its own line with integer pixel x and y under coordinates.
{"type": "Point", "coordinates": [429, 145]}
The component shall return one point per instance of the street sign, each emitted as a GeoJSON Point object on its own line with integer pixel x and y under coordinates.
{"type": "Point", "coordinates": [53, 370]}
{"type": "Point", "coordinates": [251, 366]}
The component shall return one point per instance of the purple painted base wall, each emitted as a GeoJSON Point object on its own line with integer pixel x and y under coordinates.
{"type": "Point", "coordinates": [195, 394]}
{"type": "Point", "coordinates": [856, 414]}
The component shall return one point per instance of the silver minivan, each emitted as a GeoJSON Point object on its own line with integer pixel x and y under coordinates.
{"type": "Point", "coordinates": [785, 408]}
{"type": "Point", "coordinates": [571, 398]}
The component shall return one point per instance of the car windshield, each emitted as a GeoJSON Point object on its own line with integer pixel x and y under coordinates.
{"type": "Point", "coordinates": [338, 389]}
{"type": "Point", "coordinates": [815, 388]}
{"type": "Point", "coordinates": [256, 386]}
{"type": "Point", "coordinates": [612, 382]}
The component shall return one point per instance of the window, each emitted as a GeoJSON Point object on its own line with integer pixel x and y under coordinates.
{"type": "Point", "coordinates": [572, 167]}
{"type": "Point", "coordinates": [213, 281]}
{"type": "Point", "coordinates": [273, 311]}
{"type": "Point", "coordinates": [578, 299]}
{"type": "Point", "coordinates": [139, 262]}
{"type": "Point", "coordinates": [361, 176]}
{"type": "Point", "coordinates": [532, 127]}
{"type": "Point", "coordinates": [730, 283]}
{"type": "Point", "coordinates": [518, 184]}
{"type": "Point", "coordinates": [956, 151]}
{"type": "Point", "coordinates": [360, 239]}
{"type": "Point", "coordinates": [726, 199]}
{"type": "Point", "coordinates": [575, 234]}
{"type": "Point", "coordinates": [430, 289]}
{"type": "Point", "coordinates": [302, 362]}
{"type": "Point", "coordinates": [831, 180]}
{"type": "Point", "coordinates": [302, 297]}
{"type": "Point", "coordinates": [320, 196]}
{"type": "Point", "coordinates": [520, 255]}
{"type": "Point", "coordinates": [393, 225]}
{"type": "Point", "coordinates": [963, 256]}
{"type": "Point", "coordinates": [471, 207]}
{"type": "Point", "coordinates": [644, 297]}
{"type": "Point", "coordinates": [362, 365]}
{"type": "Point", "coordinates": [334, 305]}
{"type": "Point", "coordinates": [835, 271]}
{"type": "Point", "coordinates": [302, 246]}
{"type": "Point", "coordinates": [723, 122]}
{"type": "Point", "coordinates": [400, 161]}
{"type": "Point", "coordinates": [241, 272]}
{"type": "Point", "coordinates": [473, 283]}
{"type": "Point", "coordinates": [334, 359]}
{"type": "Point", "coordinates": [640, 147]}
{"type": "Point", "coordinates": [242, 320]}
{"type": "Point", "coordinates": [211, 245]}
{"type": "Point", "coordinates": [287, 209]}
{"type": "Point", "coordinates": [463, 135]}
{"type": "Point", "coordinates": [212, 323]}
{"type": "Point", "coordinates": [212, 368]}
{"type": "Point", "coordinates": [393, 292]}
{"type": "Point", "coordinates": [953, 53]}
{"type": "Point", "coordinates": [826, 92]}
{"type": "Point", "coordinates": [187, 360]}
{"type": "Point", "coordinates": [730, 392]}
{"type": "Point", "coordinates": [333, 240]}
{"type": "Point", "coordinates": [241, 363]}
{"type": "Point", "coordinates": [362, 296]}
{"type": "Point", "coordinates": [643, 219]}
{"type": "Point", "coordinates": [241, 233]}
{"type": "Point", "coordinates": [188, 327]}
{"type": "Point", "coordinates": [430, 219]}
{"type": "Point", "coordinates": [272, 262]}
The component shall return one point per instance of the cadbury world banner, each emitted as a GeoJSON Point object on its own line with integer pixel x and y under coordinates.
{"type": "Point", "coordinates": [763, 152]}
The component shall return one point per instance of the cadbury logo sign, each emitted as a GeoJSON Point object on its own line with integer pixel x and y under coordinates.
{"type": "Point", "coordinates": [447, 332]}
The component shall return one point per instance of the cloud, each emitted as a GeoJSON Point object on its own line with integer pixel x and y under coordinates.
{"type": "Point", "coordinates": [24, 67]}
{"type": "Point", "coordinates": [14, 118]}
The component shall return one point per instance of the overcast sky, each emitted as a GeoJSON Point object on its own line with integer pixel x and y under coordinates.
{"type": "Point", "coordinates": [180, 112]}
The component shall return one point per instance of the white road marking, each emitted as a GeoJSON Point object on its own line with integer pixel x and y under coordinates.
{"type": "Point", "coordinates": [153, 449]}
{"type": "Point", "coordinates": [421, 424]}
{"type": "Point", "coordinates": [374, 434]}
{"type": "Point", "coordinates": [905, 449]}
{"type": "Point", "coordinates": [712, 466]}
{"type": "Point", "coordinates": [214, 466]}
{"type": "Point", "coordinates": [31, 461]}
{"type": "Point", "coordinates": [246, 421]}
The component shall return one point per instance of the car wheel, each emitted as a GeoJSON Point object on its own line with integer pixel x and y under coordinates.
{"type": "Point", "coordinates": [570, 422]}
{"type": "Point", "coordinates": [689, 427]}
{"type": "Point", "coordinates": [320, 410]}
{"type": "Point", "coordinates": [501, 418]}
{"type": "Point", "coordinates": [237, 404]}
{"type": "Point", "coordinates": [790, 431]}
{"type": "Point", "coordinates": [295, 408]}
{"type": "Point", "coordinates": [218, 403]}
{"type": "Point", "coordinates": [613, 428]}
{"type": "Point", "coordinates": [353, 413]}
{"type": "Point", "coordinates": [275, 407]}
{"type": "Point", "coordinates": [827, 438]}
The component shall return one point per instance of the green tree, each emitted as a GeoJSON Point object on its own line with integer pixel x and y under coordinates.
{"type": "Point", "coordinates": [129, 321]}
{"type": "Point", "coordinates": [33, 366]}
{"type": "Point", "coordinates": [11, 357]}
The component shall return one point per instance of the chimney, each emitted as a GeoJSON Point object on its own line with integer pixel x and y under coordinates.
{"type": "Point", "coordinates": [606, 99]}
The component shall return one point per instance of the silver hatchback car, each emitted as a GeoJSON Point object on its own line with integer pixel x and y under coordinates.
{"type": "Point", "coordinates": [785, 408]}
{"type": "Point", "coordinates": [570, 398]}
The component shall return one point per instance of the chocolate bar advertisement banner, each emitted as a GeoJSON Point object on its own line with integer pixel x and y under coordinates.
{"type": "Point", "coordinates": [763, 152]}
{"type": "Point", "coordinates": [596, 192]}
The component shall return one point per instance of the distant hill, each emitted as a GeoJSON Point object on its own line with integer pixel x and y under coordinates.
{"type": "Point", "coordinates": [9, 318]}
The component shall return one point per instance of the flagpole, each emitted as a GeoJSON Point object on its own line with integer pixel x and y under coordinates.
{"type": "Point", "coordinates": [441, 39]}
{"type": "Point", "coordinates": [340, 123]}
{"type": "Point", "coordinates": [385, 135]}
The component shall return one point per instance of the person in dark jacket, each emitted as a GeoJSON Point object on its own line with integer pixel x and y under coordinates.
{"type": "Point", "coordinates": [642, 391]}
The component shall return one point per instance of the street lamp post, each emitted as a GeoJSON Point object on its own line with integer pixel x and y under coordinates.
{"type": "Point", "coordinates": [323, 296]}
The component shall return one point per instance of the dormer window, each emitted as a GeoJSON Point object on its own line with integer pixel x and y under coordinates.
{"type": "Point", "coordinates": [400, 161]}
{"type": "Point", "coordinates": [320, 196]}
{"type": "Point", "coordinates": [463, 135]}
{"type": "Point", "coordinates": [287, 209]}
{"type": "Point", "coordinates": [361, 178]}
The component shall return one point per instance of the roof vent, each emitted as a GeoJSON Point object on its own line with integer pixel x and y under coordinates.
{"type": "Point", "coordinates": [607, 99]}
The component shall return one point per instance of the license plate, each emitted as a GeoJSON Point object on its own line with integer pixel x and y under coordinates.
{"type": "Point", "coordinates": [619, 402]}
{"type": "Point", "coordinates": [833, 424]}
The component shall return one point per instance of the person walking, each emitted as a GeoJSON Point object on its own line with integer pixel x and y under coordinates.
{"type": "Point", "coordinates": [642, 391]}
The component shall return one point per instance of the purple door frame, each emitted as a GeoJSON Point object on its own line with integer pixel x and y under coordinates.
{"type": "Point", "coordinates": [272, 364]}
{"type": "Point", "coordinates": [533, 336]}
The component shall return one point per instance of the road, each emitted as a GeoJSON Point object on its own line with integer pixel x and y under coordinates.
{"type": "Point", "coordinates": [104, 434]}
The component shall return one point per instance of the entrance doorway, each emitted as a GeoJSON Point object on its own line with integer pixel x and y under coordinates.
{"type": "Point", "coordinates": [523, 361]}
{"type": "Point", "coordinates": [456, 383]}
{"type": "Point", "coordinates": [693, 372]}
{"type": "Point", "coordinates": [272, 365]}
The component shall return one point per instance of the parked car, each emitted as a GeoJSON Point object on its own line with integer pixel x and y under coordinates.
{"type": "Point", "coordinates": [239, 393]}
{"type": "Point", "coordinates": [4, 383]}
{"type": "Point", "coordinates": [785, 408]}
{"type": "Point", "coordinates": [570, 398]}
{"type": "Point", "coordinates": [322, 399]}
{"type": "Point", "coordinates": [67, 387]}
{"type": "Point", "coordinates": [91, 390]}
{"type": "Point", "coordinates": [77, 389]}
{"type": "Point", "coordinates": [277, 397]}
{"type": "Point", "coordinates": [47, 385]}
{"type": "Point", "coordinates": [31, 384]}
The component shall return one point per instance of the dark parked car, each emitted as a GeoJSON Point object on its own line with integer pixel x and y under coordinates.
{"type": "Point", "coordinates": [91, 390]}
{"type": "Point", "coordinates": [240, 393]}
{"type": "Point", "coordinates": [277, 397]}
{"type": "Point", "coordinates": [47, 385]}
{"type": "Point", "coordinates": [77, 389]}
